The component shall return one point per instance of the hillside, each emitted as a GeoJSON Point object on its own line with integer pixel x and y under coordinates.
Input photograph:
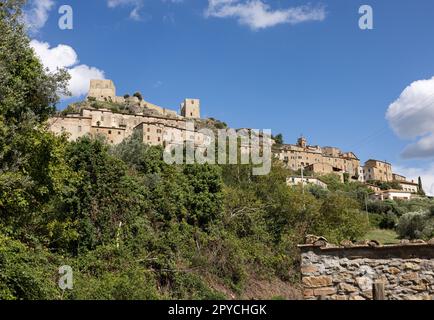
{"type": "Point", "coordinates": [128, 226]}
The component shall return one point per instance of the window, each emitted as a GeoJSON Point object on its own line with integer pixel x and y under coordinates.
{"type": "Point", "coordinates": [119, 132]}
{"type": "Point", "coordinates": [149, 129]}
{"type": "Point", "coordinates": [110, 132]}
{"type": "Point", "coordinates": [149, 138]}
{"type": "Point", "coordinates": [159, 139]}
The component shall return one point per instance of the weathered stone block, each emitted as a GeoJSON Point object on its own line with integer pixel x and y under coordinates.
{"type": "Point", "coordinates": [411, 266]}
{"type": "Point", "coordinates": [392, 270]}
{"type": "Point", "coordinates": [308, 293]}
{"type": "Point", "coordinates": [324, 291]}
{"type": "Point", "coordinates": [364, 283]}
{"type": "Point", "coordinates": [309, 269]}
{"type": "Point", "coordinates": [410, 276]}
{"type": "Point", "coordinates": [347, 287]}
{"type": "Point", "coordinates": [316, 282]}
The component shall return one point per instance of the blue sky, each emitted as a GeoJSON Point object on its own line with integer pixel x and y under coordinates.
{"type": "Point", "coordinates": [324, 77]}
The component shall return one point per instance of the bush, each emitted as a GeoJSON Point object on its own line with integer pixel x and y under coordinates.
{"type": "Point", "coordinates": [28, 274]}
{"type": "Point", "coordinates": [416, 225]}
{"type": "Point", "coordinates": [388, 221]}
{"type": "Point", "coordinates": [138, 95]}
{"type": "Point", "coordinates": [383, 221]}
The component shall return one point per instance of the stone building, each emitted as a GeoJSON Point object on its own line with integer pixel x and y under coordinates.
{"type": "Point", "coordinates": [102, 90]}
{"type": "Point", "coordinates": [116, 126]}
{"type": "Point", "coordinates": [105, 90]}
{"type": "Point", "coordinates": [157, 133]}
{"type": "Point", "coordinates": [391, 195]}
{"type": "Point", "coordinates": [398, 177]}
{"type": "Point", "coordinates": [296, 180]}
{"type": "Point", "coordinates": [318, 160]}
{"type": "Point", "coordinates": [190, 108]}
{"type": "Point", "coordinates": [408, 186]}
{"type": "Point", "coordinates": [378, 170]}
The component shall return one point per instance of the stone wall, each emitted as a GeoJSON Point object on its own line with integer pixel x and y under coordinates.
{"type": "Point", "coordinates": [338, 273]}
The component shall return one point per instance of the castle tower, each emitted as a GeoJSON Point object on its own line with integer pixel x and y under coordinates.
{"type": "Point", "coordinates": [302, 142]}
{"type": "Point", "coordinates": [102, 90]}
{"type": "Point", "coordinates": [190, 108]}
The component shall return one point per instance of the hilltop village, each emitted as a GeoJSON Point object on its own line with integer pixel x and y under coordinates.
{"type": "Point", "coordinates": [116, 118]}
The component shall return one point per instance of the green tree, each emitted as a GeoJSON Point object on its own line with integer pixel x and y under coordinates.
{"type": "Point", "coordinates": [27, 91]}
{"type": "Point", "coordinates": [278, 138]}
{"type": "Point", "coordinates": [105, 200]}
{"type": "Point", "coordinates": [420, 187]}
{"type": "Point", "coordinates": [340, 219]}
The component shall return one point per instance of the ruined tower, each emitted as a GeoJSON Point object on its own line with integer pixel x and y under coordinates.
{"type": "Point", "coordinates": [190, 108]}
{"type": "Point", "coordinates": [102, 90]}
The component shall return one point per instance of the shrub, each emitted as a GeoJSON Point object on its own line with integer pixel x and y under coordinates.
{"type": "Point", "coordinates": [416, 225]}
{"type": "Point", "coordinates": [138, 95]}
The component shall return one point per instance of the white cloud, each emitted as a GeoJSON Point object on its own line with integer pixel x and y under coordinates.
{"type": "Point", "coordinates": [37, 13]}
{"type": "Point", "coordinates": [64, 56]}
{"type": "Point", "coordinates": [411, 116]}
{"type": "Point", "coordinates": [158, 84]}
{"type": "Point", "coordinates": [136, 4]}
{"type": "Point", "coordinates": [427, 176]}
{"type": "Point", "coordinates": [257, 14]}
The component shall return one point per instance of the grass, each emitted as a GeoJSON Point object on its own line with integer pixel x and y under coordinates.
{"type": "Point", "coordinates": [383, 236]}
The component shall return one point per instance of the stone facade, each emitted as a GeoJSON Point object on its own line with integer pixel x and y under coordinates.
{"type": "Point", "coordinates": [102, 90]}
{"type": "Point", "coordinates": [115, 127]}
{"type": "Point", "coordinates": [190, 108]}
{"type": "Point", "coordinates": [295, 181]}
{"type": "Point", "coordinates": [409, 186]}
{"type": "Point", "coordinates": [157, 133]}
{"type": "Point", "coordinates": [348, 273]}
{"type": "Point", "coordinates": [392, 195]}
{"type": "Point", "coordinates": [320, 160]}
{"type": "Point", "coordinates": [378, 170]}
{"type": "Point", "coordinates": [105, 90]}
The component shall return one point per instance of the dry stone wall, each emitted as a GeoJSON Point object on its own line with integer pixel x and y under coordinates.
{"type": "Point", "coordinates": [337, 273]}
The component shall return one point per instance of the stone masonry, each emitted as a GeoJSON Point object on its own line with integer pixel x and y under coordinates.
{"type": "Point", "coordinates": [348, 273]}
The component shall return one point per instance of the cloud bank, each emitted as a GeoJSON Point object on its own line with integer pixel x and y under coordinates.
{"type": "Point", "coordinates": [427, 176]}
{"type": "Point", "coordinates": [256, 14]}
{"type": "Point", "coordinates": [36, 14]}
{"type": "Point", "coordinates": [64, 56]}
{"type": "Point", "coordinates": [411, 117]}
